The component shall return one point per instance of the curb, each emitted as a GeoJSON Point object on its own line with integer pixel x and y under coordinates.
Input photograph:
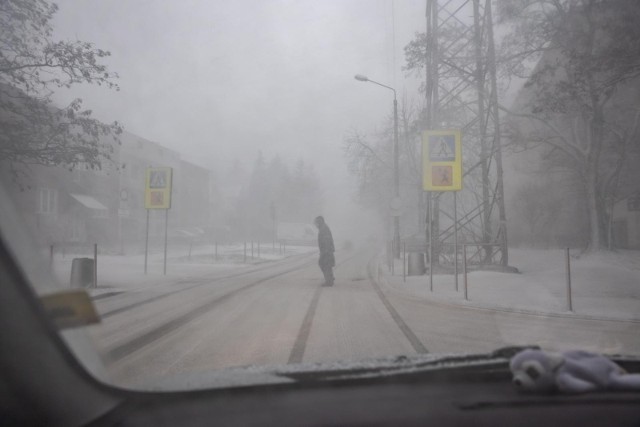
{"type": "Point", "coordinates": [489, 307]}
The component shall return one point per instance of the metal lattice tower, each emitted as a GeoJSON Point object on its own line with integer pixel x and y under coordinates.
{"type": "Point", "coordinates": [461, 93]}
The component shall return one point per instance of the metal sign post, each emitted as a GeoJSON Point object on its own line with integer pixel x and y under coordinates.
{"type": "Point", "coordinates": [146, 244]}
{"type": "Point", "coordinates": [166, 229]}
{"type": "Point", "coordinates": [430, 225]}
{"type": "Point", "coordinates": [568, 269]}
{"type": "Point", "coordinates": [95, 265]}
{"type": "Point", "coordinates": [455, 237]}
{"type": "Point", "coordinates": [464, 269]}
{"type": "Point", "coordinates": [404, 261]}
{"type": "Point", "coordinates": [275, 224]}
{"type": "Point", "coordinates": [157, 195]}
{"type": "Point", "coordinates": [441, 171]}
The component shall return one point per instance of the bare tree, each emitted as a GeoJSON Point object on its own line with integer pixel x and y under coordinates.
{"type": "Point", "coordinates": [32, 65]}
{"type": "Point", "coordinates": [587, 54]}
{"type": "Point", "coordinates": [370, 160]}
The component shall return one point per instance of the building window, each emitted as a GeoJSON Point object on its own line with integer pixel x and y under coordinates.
{"type": "Point", "coordinates": [48, 201]}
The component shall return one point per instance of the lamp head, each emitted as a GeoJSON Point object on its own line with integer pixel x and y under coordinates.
{"type": "Point", "coordinates": [361, 78]}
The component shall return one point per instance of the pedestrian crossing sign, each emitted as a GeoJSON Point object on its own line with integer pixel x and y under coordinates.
{"type": "Point", "coordinates": [157, 194]}
{"type": "Point", "coordinates": [442, 160]}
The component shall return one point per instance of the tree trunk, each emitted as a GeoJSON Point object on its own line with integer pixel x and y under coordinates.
{"type": "Point", "coordinates": [596, 203]}
{"type": "Point", "coordinates": [595, 235]}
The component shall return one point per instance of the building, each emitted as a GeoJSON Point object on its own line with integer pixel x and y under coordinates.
{"type": "Point", "coordinates": [106, 206]}
{"type": "Point", "coordinates": [63, 206]}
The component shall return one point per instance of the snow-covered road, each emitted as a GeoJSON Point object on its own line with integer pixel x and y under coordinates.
{"type": "Point", "coordinates": [277, 313]}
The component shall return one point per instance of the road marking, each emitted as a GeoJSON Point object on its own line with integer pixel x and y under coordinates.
{"type": "Point", "coordinates": [297, 352]}
{"type": "Point", "coordinates": [135, 344]}
{"type": "Point", "coordinates": [406, 330]}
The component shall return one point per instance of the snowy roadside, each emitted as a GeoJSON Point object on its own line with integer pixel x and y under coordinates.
{"type": "Point", "coordinates": [602, 285]}
{"type": "Point", "coordinates": [126, 272]}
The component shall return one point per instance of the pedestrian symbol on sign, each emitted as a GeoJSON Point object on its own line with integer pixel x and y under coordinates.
{"type": "Point", "coordinates": [158, 179]}
{"type": "Point", "coordinates": [442, 160]}
{"type": "Point", "coordinates": [157, 193]}
{"type": "Point", "coordinates": [441, 176]}
{"type": "Point", "coordinates": [157, 198]}
{"type": "Point", "coordinates": [442, 148]}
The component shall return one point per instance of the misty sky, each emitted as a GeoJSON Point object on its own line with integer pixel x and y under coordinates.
{"type": "Point", "coordinates": [219, 80]}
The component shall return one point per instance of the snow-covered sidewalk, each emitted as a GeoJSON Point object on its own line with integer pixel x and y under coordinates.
{"type": "Point", "coordinates": [126, 272]}
{"type": "Point", "coordinates": [604, 285]}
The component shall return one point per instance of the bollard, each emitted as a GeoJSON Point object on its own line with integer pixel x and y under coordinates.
{"type": "Point", "coordinates": [568, 264]}
{"type": "Point", "coordinates": [252, 250]}
{"type": "Point", "coordinates": [258, 249]}
{"type": "Point", "coordinates": [245, 252]}
{"type": "Point", "coordinates": [51, 256]}
{"type": "Point", "coordinates": [82, 273]}
{"type": "Point", "coordinates": [216, 254]}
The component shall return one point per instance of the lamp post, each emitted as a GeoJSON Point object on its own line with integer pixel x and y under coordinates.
{"type": "Point", "coordinates": [396, 176]}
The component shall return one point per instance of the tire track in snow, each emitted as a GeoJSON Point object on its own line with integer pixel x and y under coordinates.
{"type": "Point", "coordinates": [196, 283]}
{"type": "Point", "coordinates": [130, 346]}
{"type": "Point", "coordinates": [297, 352]}
{"type": "Point", "coordinates": [406, 330]}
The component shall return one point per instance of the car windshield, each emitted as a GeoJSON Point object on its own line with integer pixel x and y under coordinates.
{"type": "Point", "coordinates": [249, 184]}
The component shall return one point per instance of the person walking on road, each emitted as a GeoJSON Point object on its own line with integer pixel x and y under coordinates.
{"type": "Point", "coordinates": [325, 243]}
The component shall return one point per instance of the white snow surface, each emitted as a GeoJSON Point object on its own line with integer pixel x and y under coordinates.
{"type": "Point", "coordinates": [604, 285]}
{"type": "Point", "coordinates": [126, 272]}
{"type": "Point", "coordinates": [350, 321]}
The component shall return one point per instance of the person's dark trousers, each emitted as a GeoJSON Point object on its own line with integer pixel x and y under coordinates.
{"type": "Point", "coordinates": [326, 263]}
{"type": "Point", "coordinates": [327, 270]}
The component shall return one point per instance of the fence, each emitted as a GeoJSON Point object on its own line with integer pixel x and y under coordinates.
{"type": "Point", "coordinates": [473, 255]}
{"type": "Point", "coordinates": [81, 259]}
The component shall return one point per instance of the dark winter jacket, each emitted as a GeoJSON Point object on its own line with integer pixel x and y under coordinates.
{"type": "Point", "coordinates": [325, 240]}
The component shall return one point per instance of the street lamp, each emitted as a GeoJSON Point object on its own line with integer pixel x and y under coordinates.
{"type": "Point", "coordinates": [396, 176]}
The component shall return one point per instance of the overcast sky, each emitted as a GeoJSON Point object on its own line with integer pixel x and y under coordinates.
{"type": "Point", "coordinates": [219, 80]}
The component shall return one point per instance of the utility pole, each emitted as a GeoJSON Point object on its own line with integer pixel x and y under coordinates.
{"type": "Point", "coordinates": [396, 180]}
{"type": "Point", "coordinates": [396, 173]}
{"type": "Point", "coordinates": [461, 93]}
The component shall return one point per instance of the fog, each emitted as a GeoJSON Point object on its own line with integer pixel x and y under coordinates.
{"type": "Point", "coordinates": [219, 81]}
